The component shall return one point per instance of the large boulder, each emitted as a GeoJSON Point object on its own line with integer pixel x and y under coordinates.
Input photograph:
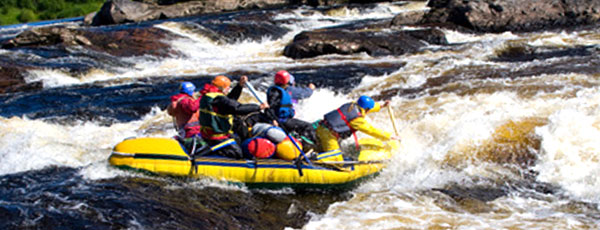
{"type": "Point", "coordinates": [63, 46]}
{"type": "Point", "coordinates": [125, 11]}
{"type": "Point", "coordinates": [124, 43]}
{"type": "Point", "coordinates": [513, 15]}
{"type": "Point", "coordinates": [377, 42]}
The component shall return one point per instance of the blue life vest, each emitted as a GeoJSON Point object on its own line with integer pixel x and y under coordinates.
{"type": "Point", "coordinates": [339, 120]}
{"type": "Point", "coordinates": [286, 108]}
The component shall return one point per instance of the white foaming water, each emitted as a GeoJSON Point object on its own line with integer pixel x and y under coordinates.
{"type": "Point", "coordinates": [440, 132]}
{"type": "Point", "coordinates": [451, 125]}
{"type": "Point", "coordinates": [51, 78]}
{"type": "Point", "coordinates": [570, 148]}
{"type": "Point", "coordinates": [314, 107]}
{"type": "Point", "coordinates": [199, 51]}
{"type": "Point", "coordinates": [565, 39]}
{"type": "Point", "coordinates": [33, 144]}
{"type": "Point", "coordinates": [345, 14]}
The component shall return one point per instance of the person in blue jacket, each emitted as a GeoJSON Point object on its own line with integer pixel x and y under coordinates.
{"type": "Point", "coordinates": [281, 104]}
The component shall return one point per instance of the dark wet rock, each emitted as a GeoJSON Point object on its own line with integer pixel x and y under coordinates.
{"type": "Point", "coordinates": [126, 11]}
{"type": "Point", "coordinates": [513, 15]}
{"type": "Point", "coordinates": [12, 80]}
{"type": "Point", "coordinates": [530, 53]}
{"type": "Point", "coordinates": [377, 42]}
{"type": "Point", "coordinates": [46, 36]}
{"type": "Point", "coordinates": [134, 41]}
{"type": "Point", "coordinates": [236, 27]}
{"type": "Point", "coordinates": [408, 18]}
{"type": "Point", "coordinates": [50, 47]}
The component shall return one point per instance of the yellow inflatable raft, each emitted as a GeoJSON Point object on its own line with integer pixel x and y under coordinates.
{"type": "Point", "coordinates": [166, 156]}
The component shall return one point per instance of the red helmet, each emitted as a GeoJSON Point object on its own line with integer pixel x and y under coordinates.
{"type": "Point", "coordinates": [282, 77]}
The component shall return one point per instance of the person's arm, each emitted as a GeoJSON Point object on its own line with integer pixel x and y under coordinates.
{"type": "Point", "coordinates": [236, 92]}
{"type": "Point", "coordinates": [361, 124]}
{"type": "Point", "coordinates": [274, 101]}
{"type": "Point", "coordinates": [227, 105]}
{"type": "Point", "coordinates": [299, 92]}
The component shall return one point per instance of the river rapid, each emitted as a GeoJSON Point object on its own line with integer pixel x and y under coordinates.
{"type": "Point", "coordinates": [498, 131]}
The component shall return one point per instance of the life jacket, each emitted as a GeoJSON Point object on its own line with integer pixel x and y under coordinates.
{"type": "Point", "coordinates": [186, 121]}
{"type": "Point", "coordinates": [286, 107]}
{"type": "Point", "coordinates": [215, 126]}
{"type": "Point", "coordinates": [339, 120]}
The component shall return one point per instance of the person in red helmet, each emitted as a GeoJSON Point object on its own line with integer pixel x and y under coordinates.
{"type": "Point", "coordinates": [217, 109]}
{"type": "Point", "coordinates": [281, 105]}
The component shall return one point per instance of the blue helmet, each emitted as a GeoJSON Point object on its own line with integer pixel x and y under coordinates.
{"type": "Point", "coordinates": [366, 102]}
{"type": "Point", "coordinates": [187, 88]}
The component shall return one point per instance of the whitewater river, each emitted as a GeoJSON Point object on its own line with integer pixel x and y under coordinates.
{"type": "Point", "coordinates": [489, 140]}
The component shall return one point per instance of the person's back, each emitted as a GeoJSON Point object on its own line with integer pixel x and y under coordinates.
{"type": "Point", "coordinates": [343, 122]}
{"type": "Point", "coordinates": [217, 111]}
{"type": "Point", "coordinates": [184, 109]}
{"type": "Point", "coordinates": [281, 105]}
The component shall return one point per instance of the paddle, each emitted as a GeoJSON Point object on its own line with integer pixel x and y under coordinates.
{"type": "Point", "coordinates": [253, 91]}
{"type": "Point", "coordinates": [391, 113]}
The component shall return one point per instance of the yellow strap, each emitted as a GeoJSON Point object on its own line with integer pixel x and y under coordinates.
{"type": "Point", "coordinates": [223, 143]}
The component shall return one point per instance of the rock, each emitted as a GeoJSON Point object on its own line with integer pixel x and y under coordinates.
{"type": "Point", "coordinates": [12, 79]}
{"type": "Point", "coordinates": [375, 42]}
{"type": "Point", "coordinates": [408, 18]}
{"type": "Point", "coordinates": [46, 36]}
{"type": "Point", "coordinates": [99, 50]}
{"type": "Point", "coordinates": [513, 15]}
{"type": "Point", "coordinates": [125, 43]}
{"type": "Point", "coordinates": [125, 11]}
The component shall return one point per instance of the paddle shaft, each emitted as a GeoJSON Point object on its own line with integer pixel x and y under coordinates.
{"type": "Point", "coordinates": [391, 113]}
{"type": "Point", "coordinates": [253, 91]}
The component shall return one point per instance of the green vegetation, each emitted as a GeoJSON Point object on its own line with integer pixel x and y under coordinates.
{"type": "Point", "coordinates": [20, 11]}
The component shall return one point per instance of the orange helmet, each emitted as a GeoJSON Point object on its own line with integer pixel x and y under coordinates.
{"type": "Point", "coordinates": [221, 82]}
{"type": "Point", "coordinates": [282, 77]}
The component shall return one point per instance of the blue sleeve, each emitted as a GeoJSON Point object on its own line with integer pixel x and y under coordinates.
{"type": "Point", "coordinates": [299, 92]}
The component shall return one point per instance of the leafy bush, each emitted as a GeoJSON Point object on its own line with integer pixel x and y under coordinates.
{"type": "Point", "coordinates": [27, 15]}
{"type": "Point", "coordinates": [20, 11]}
